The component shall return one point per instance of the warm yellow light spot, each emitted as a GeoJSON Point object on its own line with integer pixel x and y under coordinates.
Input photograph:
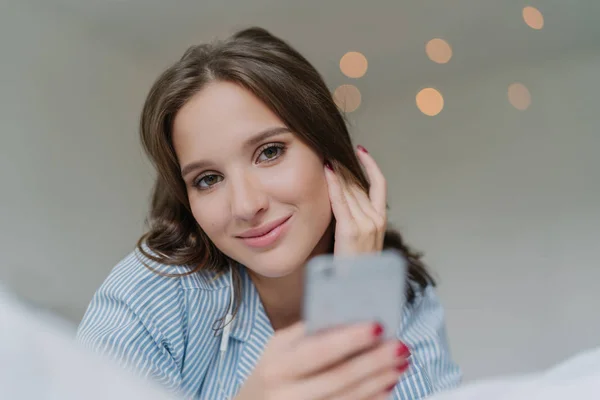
{"type": "Point", "coordinates": [519, 96]}
{"type": "Point", "coordinates": [533, 17]}
{"type": "Point", "coordinates": [353, 64]}
{"type": "Point", "coordinates": [430, 101]}
{"type": "Point", "coordinates": [438, 50]}
{"type": "Point", "coordinates": [347, 98]}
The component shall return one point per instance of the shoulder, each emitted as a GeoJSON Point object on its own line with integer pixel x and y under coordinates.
{"type": "Point", "coordinates": [141, 313]}
{"type": "Point", "coordinates": [136, 271]}
{"type": "Point", "coordinates": [145, 284]}
{"type": "Point", "coordinates": [142, 292]}
{"type": "Point", "coordinates": [425, 304]}
{"type": "Point", "coordinates": [423, 330]}
{"type": "Point", "coordinates": [424, 318]}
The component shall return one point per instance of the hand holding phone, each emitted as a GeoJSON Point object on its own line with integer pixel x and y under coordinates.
{"type": "Point", "coordinates": [350, 362]}
{"type": "Point", "coordinates": [346, 346]}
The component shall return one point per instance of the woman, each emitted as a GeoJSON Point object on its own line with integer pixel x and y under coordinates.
{"type": "Point", "coordinates": [256, 174]}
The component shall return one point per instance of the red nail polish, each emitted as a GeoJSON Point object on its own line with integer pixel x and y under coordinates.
{"type": "Point", "coordinates": [390, 388]}
{"type": "Point", "coordinates": [377, 330]}
{"type": "Point", "coordinates": [362, 149]}
{"type": "Point", "coordinates": [328, 165]}
{"type": "Point", "coordinates": [402, 350]}
{"type": "Point", "coordinates": [402, 367]}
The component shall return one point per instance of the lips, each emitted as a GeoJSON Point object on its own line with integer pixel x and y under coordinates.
{"type": "Point", "coordinates": [267, 234]}
{"type": "Point", "coordinates": [263, 229]}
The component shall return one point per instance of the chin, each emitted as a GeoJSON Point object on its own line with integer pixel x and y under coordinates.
{"type": "Point", "coordinates": [274, 267]}
{"type": "Point", "coordinates": [277, 263]}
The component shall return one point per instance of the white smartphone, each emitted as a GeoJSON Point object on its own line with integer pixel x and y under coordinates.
{"type": "Point", "coordinates": [362, 288]}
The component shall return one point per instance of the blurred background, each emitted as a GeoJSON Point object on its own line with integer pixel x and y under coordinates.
{"type": "Point", "coordinates": [484, 116]}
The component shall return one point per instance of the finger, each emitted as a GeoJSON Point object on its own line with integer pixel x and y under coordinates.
{"type": "Point", "coordinates": [356, 208]}
{"type": "Point", "coordinates": [339, 205]}
{"type": "Point", "coordinates": [369, 222]}
{"type": "Point", "coordinates": [369, 225]}
{"type": "Point", "coordinates": [323, 350]}
{"type": "Point", "coordinates": [382, 396]}
{"type": "Point", "coordinates": [287, 337]}
{"type": "Point", "coordinates": [378, 190]}
{"type": "Point", "coordinates": [363, 376]}
{"type": "Point", "coordinates": [378, 386]}
{"type": "Point", "coordinates": [367, 207]}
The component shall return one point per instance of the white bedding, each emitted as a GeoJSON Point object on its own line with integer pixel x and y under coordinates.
{"type": "Point", "coordinates": [577, 378]}
{"type": "Point", "coordinates": [39, 360]}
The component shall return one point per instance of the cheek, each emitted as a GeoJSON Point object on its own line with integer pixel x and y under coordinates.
{"type": "Point", "coordinates": [300, 183]}
{"type": "Point", "coordinates": [209, 215]}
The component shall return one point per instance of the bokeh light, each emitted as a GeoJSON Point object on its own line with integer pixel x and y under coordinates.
{"type": "Point", "coordinates": [354, 64]}
{"type": "Point", "coordinates": [519, 96]}
{"type": "Point", "coordinates": [430, 101]}
{"type": "Point", "coordinates": [438, 50]}
{"type": "Point", "coordinates": [533, 17]}
{"type": "Point", "coordinates": [347, 98]}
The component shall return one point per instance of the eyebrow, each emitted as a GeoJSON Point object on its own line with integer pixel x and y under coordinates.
{"type": "Point", "coordinates": [251, 142]}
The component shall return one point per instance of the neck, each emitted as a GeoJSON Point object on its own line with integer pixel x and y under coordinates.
{"type": "Point", "coordinates": [282, 297]}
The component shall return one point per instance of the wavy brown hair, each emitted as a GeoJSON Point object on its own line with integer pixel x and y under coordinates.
{"type": "Point", "coordinates": [291, 87]}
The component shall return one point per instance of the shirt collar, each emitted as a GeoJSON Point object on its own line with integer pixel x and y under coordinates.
{"type": "Point", "coordinates": [250, 315]}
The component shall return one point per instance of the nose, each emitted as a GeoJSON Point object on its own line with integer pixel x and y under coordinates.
{"type": "Point", "coordinates": [248, 197]}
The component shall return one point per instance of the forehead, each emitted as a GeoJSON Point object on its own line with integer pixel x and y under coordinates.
{"type": "Point", "coordinates": [221, 113]}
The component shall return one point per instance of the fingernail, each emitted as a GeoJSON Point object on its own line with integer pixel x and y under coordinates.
{"type": "Point", "coordinates": [362, 149]}
{"type": "Point", "coordinates": [403, 367]}
{"type": "Point", "coordinates": [402, 350]}
{"type": "Point", "coordinates": [377, 330]}
{"type": "Point", "coordinates": [390, 388]}
{"type": "Point", "coordinates": [328, 165]}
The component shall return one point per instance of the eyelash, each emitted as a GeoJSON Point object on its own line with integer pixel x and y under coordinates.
{"type": "Point", "coordinates": [279, 146]}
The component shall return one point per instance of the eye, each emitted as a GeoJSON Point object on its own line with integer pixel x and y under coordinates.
{"type": "Point", "coordinates": [207, 181]}
{"type": "Point", "coordinates": [270, 152]}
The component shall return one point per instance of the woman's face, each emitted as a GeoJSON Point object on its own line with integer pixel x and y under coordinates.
{"type": "Point", "coordinates": [256, 189]}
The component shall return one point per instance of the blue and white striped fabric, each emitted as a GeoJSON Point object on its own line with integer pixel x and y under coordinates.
{"type": "Point", "coordinates": [164, 329]}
